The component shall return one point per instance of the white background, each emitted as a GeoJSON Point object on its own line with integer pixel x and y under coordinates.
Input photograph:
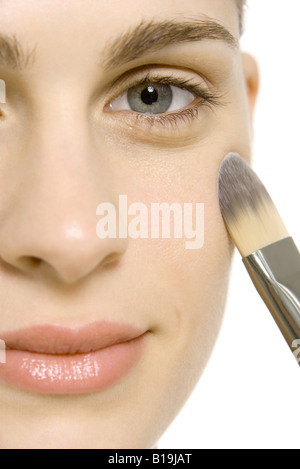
{"type": "Point", "coordinates": [249, 394]}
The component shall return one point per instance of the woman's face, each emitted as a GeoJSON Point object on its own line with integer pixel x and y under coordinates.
{"type": "Point", "coordinates": [72, 138]}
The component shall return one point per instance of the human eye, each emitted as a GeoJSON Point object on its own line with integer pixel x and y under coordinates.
{"type": "Point", "coordinates": [161, 97]}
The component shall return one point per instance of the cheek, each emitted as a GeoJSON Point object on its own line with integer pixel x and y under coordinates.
{"type": "Point", "coordinates": [178, 293]}
{"type": "Point", "coordinates": [184, 292]}
{"type": "Point", "coordinates": [197, 279]}
{"type": "Point", "coordinates": [188, 285]}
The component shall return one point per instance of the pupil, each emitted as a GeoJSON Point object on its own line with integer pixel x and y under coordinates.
{"type": "Point", "coordinates": [149, 95]}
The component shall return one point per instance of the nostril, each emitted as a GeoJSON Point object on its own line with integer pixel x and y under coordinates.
{"type": "Point", "coordinates": [110, 258]}
{"type": "Point", "coordinates": [35, 261]}
{"type": "Point", "coordinates": [31, 262]}
{"type": "Point", "coordinates": [58, 255]}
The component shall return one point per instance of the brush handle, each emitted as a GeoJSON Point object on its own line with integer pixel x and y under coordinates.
{"type": "Point", "coordinates": [275, 272]}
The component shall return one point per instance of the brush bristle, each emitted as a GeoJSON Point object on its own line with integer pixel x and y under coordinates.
{"type": "Point", "coordinates": [249, 213]}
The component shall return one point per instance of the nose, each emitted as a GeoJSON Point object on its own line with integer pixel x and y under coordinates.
{"type": "Point", "coordinates": [48, 210]}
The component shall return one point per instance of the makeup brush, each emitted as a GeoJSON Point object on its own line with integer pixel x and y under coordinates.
{"type": "Point", "coordinates": [269, 253]}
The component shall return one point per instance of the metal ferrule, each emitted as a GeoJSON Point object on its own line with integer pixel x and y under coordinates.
{"type": "Point", "coordinates": [275, 272]}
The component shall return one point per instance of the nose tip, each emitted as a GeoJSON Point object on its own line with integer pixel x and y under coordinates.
{"type": "Point", "coordinates": [69, 252]}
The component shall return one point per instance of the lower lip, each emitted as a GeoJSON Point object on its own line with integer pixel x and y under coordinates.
{"type": "Point", "coordinates": [70, 374]}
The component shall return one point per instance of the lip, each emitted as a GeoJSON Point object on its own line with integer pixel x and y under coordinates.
{"type": "Point", "coordinates": [60, 360]}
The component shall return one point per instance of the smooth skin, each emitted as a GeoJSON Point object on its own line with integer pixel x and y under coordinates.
{"type": "Point", "coordinates": [63, 152]}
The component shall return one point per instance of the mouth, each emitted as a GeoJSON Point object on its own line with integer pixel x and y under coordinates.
{"type": "Point", "coordinates": [60, 360]}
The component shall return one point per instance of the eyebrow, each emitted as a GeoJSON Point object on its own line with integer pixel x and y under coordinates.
{"type": "Point", "coordinates": [13, 55]}
{"type": "Point", "coordinates": [147, 37]}
{"type": "Point", "coordinates": [152, 36]}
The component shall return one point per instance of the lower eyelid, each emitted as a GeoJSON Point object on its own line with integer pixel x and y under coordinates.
{"type": "Point", "coordinates": [176, 123]}
{"type": "Point", "coordinates": [170, 120]}
{"type": "Point", "coordinates": [174, 129]}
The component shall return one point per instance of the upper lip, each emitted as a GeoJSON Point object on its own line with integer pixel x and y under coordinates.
{"type": "Point", "coordinates": [60, 340]}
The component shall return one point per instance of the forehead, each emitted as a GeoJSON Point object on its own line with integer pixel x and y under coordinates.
{"type": "Point", "coordinates": [59, 36]}
{"type": "Point", "coordinates": [88, 21]}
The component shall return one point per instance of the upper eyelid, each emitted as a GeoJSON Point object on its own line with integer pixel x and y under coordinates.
{"type": "Point", "coordinates": [168, 80]}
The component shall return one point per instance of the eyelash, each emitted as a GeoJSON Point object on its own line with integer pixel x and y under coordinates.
{"type": "Point", "coordinates": [204, 97]}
